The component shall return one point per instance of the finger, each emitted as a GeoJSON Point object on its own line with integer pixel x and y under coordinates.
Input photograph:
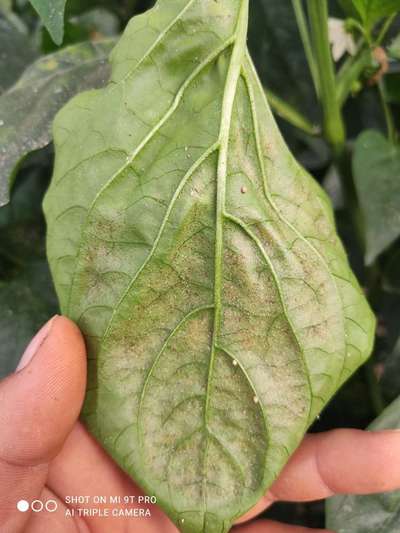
{"type": "Point", "coordinates": [83, 463]}
{"type": "Point", "coordinates": [269, 526]}
{"type": "Point", "coordinates": [39, 405]}
{"type": "Point", "coordinates": [337, 462]}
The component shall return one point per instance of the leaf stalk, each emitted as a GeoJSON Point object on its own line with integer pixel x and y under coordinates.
{"type": "Point", "coordinates": [302, 25]}
{"type": "Point", "coordinates": [334, 128]}
{"type": "Point", "coordinates": [290, 114]}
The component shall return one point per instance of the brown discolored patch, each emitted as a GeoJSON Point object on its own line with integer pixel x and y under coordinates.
{"type": "Point", "coordinates": [380, 56]}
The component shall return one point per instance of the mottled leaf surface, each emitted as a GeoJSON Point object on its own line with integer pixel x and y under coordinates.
{"type": "Point", "coordinates": [202, 264]}
{"type": "Point", "coordinates": [27, 109]}
{"type": "Point", "coordinates": [376, 167]}
{"type": "Point", "coordinates": [376, 513]}
{"type": "Point", "coordinates": [52, 14]}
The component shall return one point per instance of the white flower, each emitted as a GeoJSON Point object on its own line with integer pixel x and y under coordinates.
{"type": "Point", "coordinates": [340, 39]}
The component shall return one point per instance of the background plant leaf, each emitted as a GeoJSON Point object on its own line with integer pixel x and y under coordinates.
{"type": "Point", "coordinates": [5, 5]}
{"type": "Point", "coordinates": [394, 48]}
{"type": "Point", "coordinates": [390, 381]}
{"type": "Point", "coordinates": [175, 206]}
{"type": "Point", "coordinates": [391, 87]}
{"type": "Point", "coordinates": [13, 36]}
{"type": "Point", "coordinates": [277, 51]}
{"type": "Point", "coordinates": [391, 273]}
{"type": "Point", "coordinates": [349, 8]}
{"type": "Point", "coordinates": [98, 22]}
{"type": "Point", "coordinates": [278, 54]}
{"type": "Point", "coordinates": [376, 167]}
{"type": "Point", "coordinates": [92, 25]}
{"type": "Point", "coordinates": [27, 297]}
{"type": "Point", "coordinates": [26, 303]}
{"type": "Point", "coordinates": [371, 11]}
{"type": "Point", "coordinates": [52, 14]}
{"type": "Point", "coordinates": [28, 108]}
{"type": "Point", "coordinates": [368, 514]}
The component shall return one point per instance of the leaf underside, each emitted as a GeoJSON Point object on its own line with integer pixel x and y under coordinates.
{"type": "Point", "coordinates": [202, 264]}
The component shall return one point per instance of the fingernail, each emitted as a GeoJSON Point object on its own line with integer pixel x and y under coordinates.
{"type": "Point", "coordinates": [35, 344]}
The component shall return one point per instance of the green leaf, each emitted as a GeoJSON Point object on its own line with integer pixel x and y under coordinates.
{"type": "Point", "coordinates": [5, 5]}
{"type": "Point", "coordinates": [391, 88]}
{"type": "Point", "coordinates": [16, 50]}
{"type": "Point", "coordinates": [368, 514]}
{"type": "Point", "coordinates": [26, 303]}
{"type": "Point", "coordinates": [202, 264]}
{"type": "Point", "coordinates": [348, 7]}
{"type": "Point", "coordinates": [391, 273]}
{"type": "Point", "coordinates": [376, 168]}
{"type": "Point", "coordinates": [28, 108]}
{"type": "Point", "coordinates": [27, 297]}
{"type": "Point", "coordinates": [52, 14]}
{"type": "Point", "coordinates": [371, 11]}
{"type": "Point", "coordinates": [92, 25]}
{"type": "Point", "coordinates": [394, 48]}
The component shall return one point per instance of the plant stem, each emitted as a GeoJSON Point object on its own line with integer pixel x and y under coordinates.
{"type": "Point", "coordinates": [334, 128]}
{"type": "Point", "coordinates": [350, 73]}
{"type": "Point", "coordinates": [290, 114]}
{"type": "Point", "coordinates": [391, 129]}
{"type": "Point", "coordinates": [385, 28]}
{"type": "Point", "coordinates": [306, 40]}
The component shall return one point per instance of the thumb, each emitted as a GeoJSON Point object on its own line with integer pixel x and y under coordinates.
{"type": "Point", "coordinates": [39, 405]}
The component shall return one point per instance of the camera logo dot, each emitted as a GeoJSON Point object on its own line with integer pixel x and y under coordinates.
{"type": "Point", "coordinates": [22, 506]}
{"type": "Point", "coordinates": [37, 506]}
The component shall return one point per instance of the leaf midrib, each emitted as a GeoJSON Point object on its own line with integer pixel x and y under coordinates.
{"type": "Point", "coordinates": [233, 75]}
{"type": "Point", "coordinates": [235, 67]}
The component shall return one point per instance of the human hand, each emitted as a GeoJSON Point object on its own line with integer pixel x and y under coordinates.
{"type": "Point", "coordinates": [45, 453]}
